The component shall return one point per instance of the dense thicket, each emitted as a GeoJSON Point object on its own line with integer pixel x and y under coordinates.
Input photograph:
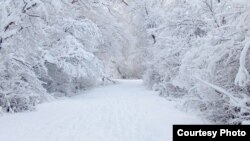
{"type": "Point", "coordinates": [200, 55]}
{"type": "Point", "coordinates": [52, 48]}
{"type": "Point", "coordinates": [194, 50]}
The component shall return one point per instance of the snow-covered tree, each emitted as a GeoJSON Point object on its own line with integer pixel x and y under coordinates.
{"type": "Point", "coordinates": [203, 57]}
{"type": "Point", "coordinates": [55, 48]}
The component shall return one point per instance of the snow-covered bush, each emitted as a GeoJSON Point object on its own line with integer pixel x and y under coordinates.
{"type": "Point", "coordinates": [202, 57]}
{"type": "Point", "coordinates": [53, 48]}
{"type": "Point", "coordinates": [70, 67]}
{"type": "Point", "coordinates": [20, 89]}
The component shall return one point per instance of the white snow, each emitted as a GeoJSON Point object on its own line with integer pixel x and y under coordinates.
{"type": "Point", "coordinates": [242, 77]}
{"type": "Point", "coordinates": [122, 112]}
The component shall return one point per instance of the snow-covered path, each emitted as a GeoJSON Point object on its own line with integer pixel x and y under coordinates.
{"type": "Point", "coordinates": [122, 112]}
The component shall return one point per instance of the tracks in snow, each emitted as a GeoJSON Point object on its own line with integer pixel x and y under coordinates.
{"type": "Point", "coordinates": [122, 112]}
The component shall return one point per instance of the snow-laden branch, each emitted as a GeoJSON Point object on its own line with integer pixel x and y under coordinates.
{"type": "Point", "coordinates": [242, 77]}
{"type": "Point", "coordinates": [219, 89]}
{"type": "Point", "coordinates": [233, 100]}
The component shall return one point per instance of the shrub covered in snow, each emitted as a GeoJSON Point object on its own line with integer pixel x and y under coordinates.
{"type": "Point", "coordinates": [201, 54]}
{"type": "Point", "coordinates": [52, 48]}
{"type": "Point", "coordinates": [20, 89]}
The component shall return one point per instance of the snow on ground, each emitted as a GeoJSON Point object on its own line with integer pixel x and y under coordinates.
{"type": "Point", "coordinates": [122, 112]}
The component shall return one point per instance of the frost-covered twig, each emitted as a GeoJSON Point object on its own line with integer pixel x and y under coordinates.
{"type": "Point", "coordinates": [125, 2]}
{"type": "Point", "coordinates": [219, 89]}
{"type": "Point", "coordinates": [242, 77]}
{"type": "Point", "coordinates": [233, 101]}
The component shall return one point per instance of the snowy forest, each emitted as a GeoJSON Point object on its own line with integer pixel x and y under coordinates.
{"type": "Point", "coordinates": [195, 52]}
